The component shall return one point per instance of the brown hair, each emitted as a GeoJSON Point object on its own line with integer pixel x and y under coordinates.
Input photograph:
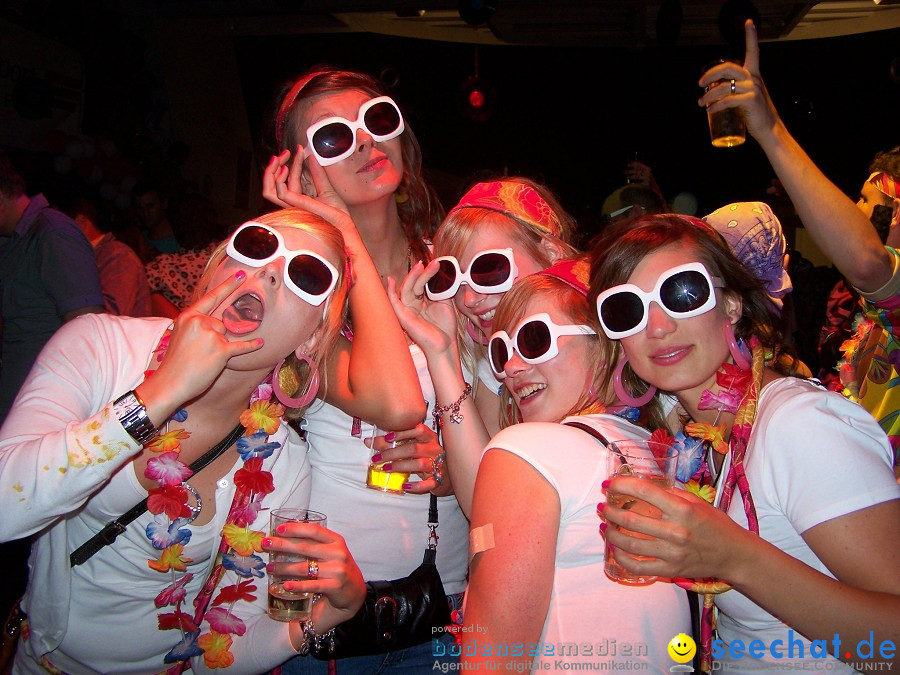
{"type": "Point", "coordinates": [511, 310]}
{"type": "Point", "coordinates": [418, 206]}
{"type": "Point", "coordinates": [335, 306]}
{"type": "Point", "coordinates": [613, 260]}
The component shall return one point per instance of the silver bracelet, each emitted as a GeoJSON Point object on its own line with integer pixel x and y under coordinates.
{"type": "Point", "coordinates": [312, 640]}
{"type": "Point", "coordinates": [455, 416]}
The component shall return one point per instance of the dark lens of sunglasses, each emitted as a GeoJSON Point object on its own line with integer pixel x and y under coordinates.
{"type": "Point", "coordinates": [444, 278]}
{"type": "Point", "coordinates": [499, 355]}
{"type": "Point", "coordinates": [490, 269]}
{"type": "Point", "coordinates": [533, 339]}
{"type": "Point", "coordinates": [256, 242]}
{"type": "Point", "coordinates": [684, 291]}
{"type": "Point", "coordinates": [622, 311]}
{"type": "Point", "coordinates": [382, 119]}
{"type": "Point", "coordinates": [309, 274]}
{"type": "Point", "coordinates": [332, 139]}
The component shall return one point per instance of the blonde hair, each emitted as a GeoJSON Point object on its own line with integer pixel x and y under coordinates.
{"type": "Point", "coordinates": [461, 225]}
{"type": "Point", "coordinates": [335, 306]}
{"type": "Point", "coordinates": [557, 293]}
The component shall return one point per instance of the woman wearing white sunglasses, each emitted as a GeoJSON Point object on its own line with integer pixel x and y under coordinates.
{"type": "Point", "coordinates": [809, 544]}
{"type": "Point", "coordinates": [353, 150]}
{"type": "Point", "coordinates": [499, 231]}
{"type": "Point", "coordinates": [117, 410]}
{"type": "Point", "coordinates": [537, 569]}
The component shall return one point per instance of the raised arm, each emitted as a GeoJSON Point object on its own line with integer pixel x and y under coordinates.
{"type": "Point", "coordinates": [376, 379]}
{"type": "Point", "coordinates": [838, 227]}
{"type": "Point", "coordinates": [433, 326]}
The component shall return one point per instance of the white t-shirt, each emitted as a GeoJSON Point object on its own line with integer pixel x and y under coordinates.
{"type": "Point", "coordinates": [812, 456]}
{"type": "Point", "coordinates": [386, 533]}
{"type": "Point", "coordinates": [61, 448]}
{"type": "Point", "coordinates": [621, 624]}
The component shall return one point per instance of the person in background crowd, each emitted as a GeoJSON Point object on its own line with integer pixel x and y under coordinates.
{"type": "Point", "coordinates": [122, 277]}
{"type": "Point", "coordinates": [151, 204]}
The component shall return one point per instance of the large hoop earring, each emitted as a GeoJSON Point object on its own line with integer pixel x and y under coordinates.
{"type": "Point", "coordinates": [304, 399]}
{"type": "Point", "coordinates": [623, 395]}
{"type": "Point", "coordinates": [740, 358]}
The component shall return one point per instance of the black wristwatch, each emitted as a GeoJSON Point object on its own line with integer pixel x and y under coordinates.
{"type": "Point", "coordinates": [132, 414]}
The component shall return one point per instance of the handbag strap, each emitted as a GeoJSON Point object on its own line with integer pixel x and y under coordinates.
{"type": "Point", "coordinates": [432, 524]}
{"type": "Point", "coordinates": [115, 527]}
{"type": "Point", "coordinates": [600, 437]}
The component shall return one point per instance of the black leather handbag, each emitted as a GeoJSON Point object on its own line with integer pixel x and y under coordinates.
{"type": "Point", "coordinates": [396, 614]}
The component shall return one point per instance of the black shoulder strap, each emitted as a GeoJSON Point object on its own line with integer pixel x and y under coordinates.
{"type": "Point", "coordinates": [114, 528]}
{"type": "Point", "coordinates": [596, 434]}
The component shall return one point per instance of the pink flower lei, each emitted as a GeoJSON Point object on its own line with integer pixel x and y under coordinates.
{"type": "Point", "coordinates": [237, 551]}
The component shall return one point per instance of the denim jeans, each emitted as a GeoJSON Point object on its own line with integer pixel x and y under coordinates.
{"type": "Point", "coordinates": [413, 661]}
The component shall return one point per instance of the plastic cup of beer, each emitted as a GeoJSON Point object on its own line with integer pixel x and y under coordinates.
{"type": "Point", "coordinates": [727, 127]}
{"type": "Point", "coordinates": [386, 481]}
{"type": "Point", "coordinates": [647, 460]}
{"type": "Point", "coordinates": [285, 605]}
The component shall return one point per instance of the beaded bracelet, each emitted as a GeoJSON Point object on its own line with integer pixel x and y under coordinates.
{"type": "Point", "coordinates": [455, 416]}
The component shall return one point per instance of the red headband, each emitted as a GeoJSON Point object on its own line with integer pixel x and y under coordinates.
{"type": "Point", "coordinates": [885, 184]}
{"type": "Point", "coordinates": [513, 199]}
{"type": "Point", "coordinates": [575, 272]}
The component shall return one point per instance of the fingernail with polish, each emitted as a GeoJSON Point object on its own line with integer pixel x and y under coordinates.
{"type": "Point", "coordinates": [387, 466]}
{"type": "Point", "coordinates": [270, 567]}
{"type": "Point", "coordinates": [389, 436]}
{"type": "Point", "coordinates": [601, 506]}
{"type": "Point", "coordinates": [240, 274]}
{"type": "Point", "coordinates": [376, 457]}
{"type": "Point", "coordinates": [266, 542]}
{"type": "Point", "coordinates": [280, 529]}
{"type": "Point", "coordinates": [602, 528]}
{"type": "Point", "coordinates": [604, 484]}
{"type": "Point", "coordinates": [406, 486]}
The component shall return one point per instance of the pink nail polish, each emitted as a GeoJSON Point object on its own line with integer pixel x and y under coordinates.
{"type": "Point", "coordinates": [270, 567]}
{"type": "Point", "coordinates": [387, 466]}
{"type": "Point", "coordinates": [376, 457]}
{"type": "Point", "coordinates": [389, 436]}
{"type": "Point", "coordinates": [280, 529]}
{"type": "Point", "coordinates": [406, 486]}
{"type": "Point", "coordinates": [266, 542]}
{"type": "Point", "coordinates": [602, 528]}
{"type": "Point", "coordinates": [600, 507]}
{"type": "Point", "coordinates": [240, 274]}
{"type": "Point", "coordinates": [604, 484]}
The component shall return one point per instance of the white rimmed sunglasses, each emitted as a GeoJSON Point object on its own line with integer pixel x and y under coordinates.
{"type": "Point", "coordinates": [334, 138]}
{"type": "Point", "coordinates": [682, 292]}
{"type": "Point", "coordinates": [535, 340]}
{"type": "Point", "coordinates": [491, 271]}
{"type": "Point", "coordinates": [306, 273]}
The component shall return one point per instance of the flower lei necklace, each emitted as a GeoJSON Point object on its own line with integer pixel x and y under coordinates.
{"type": "Point", "coordinates": [739, 395]}
{"type": "Point", "coordinates": [239, 544]}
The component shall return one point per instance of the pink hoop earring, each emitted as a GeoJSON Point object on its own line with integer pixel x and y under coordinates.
{"type": "Point", "coordinates": [304, 399]}
{"type": "Point", "coordinates": [623, 395]}
{"type": "Point", "coordinates": [740, 358]}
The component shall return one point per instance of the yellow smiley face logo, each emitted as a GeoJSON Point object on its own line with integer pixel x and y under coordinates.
{"type": "Point", "coordinates": [682, 648]}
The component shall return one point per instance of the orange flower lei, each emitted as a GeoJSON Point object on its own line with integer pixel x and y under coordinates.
{"type": "Point", "coordinates": [239, 545]}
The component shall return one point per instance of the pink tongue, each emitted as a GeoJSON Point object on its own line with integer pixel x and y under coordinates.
{"type": "Point", "coordinates": [237, 324]}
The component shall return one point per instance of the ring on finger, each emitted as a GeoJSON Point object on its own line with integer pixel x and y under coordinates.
{"type": "Point", "coordinates": [393, 444]}
{"type": "Point", "coordinates": [312, 569]}
{"type": "Point", "coordinates": [733, 87]}
{"type": "Point", "coordinates": [437, 466]}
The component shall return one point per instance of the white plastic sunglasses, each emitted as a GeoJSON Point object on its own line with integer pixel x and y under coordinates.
{"type": "Point", "coordinates": [307, 274]}
{"type": "Point", "coordinates": [334, 139]}
{"type": "Point", "coordinates": [535, 341]}
{"type": "Point", "coordinates": [491, 271]}
{"type": "Point", "coordinates": [682, 292]}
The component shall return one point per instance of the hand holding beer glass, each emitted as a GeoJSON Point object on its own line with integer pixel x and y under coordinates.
{"type": "Point", "coordinates": [727, 127]}
{"type": "Point", "coordinates": [291, 604]}
{"type": "Point", "coordinates": [647, 460]}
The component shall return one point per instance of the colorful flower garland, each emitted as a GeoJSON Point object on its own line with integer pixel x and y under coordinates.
{"type": "Point", "coordinates": [239, 545]}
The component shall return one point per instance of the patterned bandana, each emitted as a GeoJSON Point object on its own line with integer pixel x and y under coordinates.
{"type": "Point", "coordinates": [885, 184]}
{"type": "Point", "coordinates": [515, 200]}
{"type": "Point", "coordinates": [574, 272]}
{"type": "Point", "coordinates": [754, 234]}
